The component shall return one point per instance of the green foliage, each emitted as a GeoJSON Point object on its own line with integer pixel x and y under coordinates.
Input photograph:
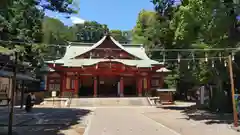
{"type": "Point", "coordinates": [89, 32]}
{"type": "Point", "coordinates": [21, 21]}
{"type": "Point", "coordinates": [62, 6]}
{"type": "Point", "coordinates": [25, 22]}
{"type": "Point", "coordinates": [119, 36]}
{"type": "Point", "coordinates": [145, 20]}
{"type": "Point", "coordinates": [55, 32]}
{"type": "Point", "coordinates": [192, 24]}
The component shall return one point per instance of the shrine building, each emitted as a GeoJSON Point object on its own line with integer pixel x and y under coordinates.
{"type": "Point", "coordinates": [104, 69]}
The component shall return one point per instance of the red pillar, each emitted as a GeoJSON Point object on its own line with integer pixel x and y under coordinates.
{"type": "Point", "coordinates": [161, 81]}
{"type": "Point", "coordinates": [95, 87]}
{"type": "Point", "coordinates": [76, 86]}
{"type": "Point", "coordinates": [63, 86]}
{"type": "Point", "coordinates": [121, 87]}
{"type": "Point", "coordinates": [148, 85]}
{"type": "Point", "coordinates": [140, 86]}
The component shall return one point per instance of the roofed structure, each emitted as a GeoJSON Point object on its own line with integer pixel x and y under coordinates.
{"type": "Point", "coordinates": [106, 57]}
{"type": "Point", "coordinates": [77, 49]}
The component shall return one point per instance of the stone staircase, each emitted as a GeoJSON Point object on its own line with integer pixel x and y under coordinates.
{"type": "Point", "coordinates": [96, 102]}
{"type": "Point", "coordinates": [55, 102]}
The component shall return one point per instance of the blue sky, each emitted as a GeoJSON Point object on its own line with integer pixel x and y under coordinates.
{"type": "Point", "coordinates": [117, 14]}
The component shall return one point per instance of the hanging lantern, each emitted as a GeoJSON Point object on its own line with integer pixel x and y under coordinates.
{"type": "Point", "coordinates": [58, 48]}
{"type": "Point", "coordinates": [58, 52]}
{"type": "Point", "coordinates": [164, 57]}
{"type": "Point", "coordinates": [233, 56]}
{"type": "Point", "coordinates": [213, 63]}
{"type": "Point", "coordinates": [179, 58]}
{"type": "Point", "coordinates": [54, 64]}
{"type": "Point", "coordinates": [220, 56]}
{"type": "Point", "coordinates": [206, 57]}
{"type": "Point", "coordinates": [188, 66]}
{"type": "Point", "coordinates": [91, 55]}
{"type": "Point", "coordinates": [225, 63]}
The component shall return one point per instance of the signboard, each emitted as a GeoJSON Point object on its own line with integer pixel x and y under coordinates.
{"type": "Point", "coordinates": [4, 102]}
{"type": "Point", "coordinates": [237, 102]}
{"type": "Point", "coordinates": [203, 95]}
{"type": "Point", "coordinates": [42, 85]}
{"type": "Point", "coordinates": [54, 93]}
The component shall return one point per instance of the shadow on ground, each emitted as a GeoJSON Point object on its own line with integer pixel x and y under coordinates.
{"type": "Point", "coordinates": [45, 121]}
{"type": "Point", "coordinates": [202, 114]}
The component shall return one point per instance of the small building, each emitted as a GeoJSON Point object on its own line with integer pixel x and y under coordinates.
{"type": "Point", "coordinates": [104, 69]}
{"type": "Point", "coordinates": [23, 79]}
{"type": "Point", "coordinates": [166, 95]}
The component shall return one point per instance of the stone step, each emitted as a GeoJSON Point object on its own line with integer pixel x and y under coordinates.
{"type": "Point", "coordinates": [109, 102]}
{"type": "Point", "coordinates": [57, 102]}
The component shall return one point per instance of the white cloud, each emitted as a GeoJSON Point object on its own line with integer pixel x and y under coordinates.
{"type": "Point", "coordinates": [76, 20]}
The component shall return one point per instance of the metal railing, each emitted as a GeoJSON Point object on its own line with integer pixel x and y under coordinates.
{"type": "Point", "coordinates": [70, 99]}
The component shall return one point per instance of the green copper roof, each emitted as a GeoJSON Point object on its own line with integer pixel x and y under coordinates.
{"type": "Point", "coordinates": [76, 49]}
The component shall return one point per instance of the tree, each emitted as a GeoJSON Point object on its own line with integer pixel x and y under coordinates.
{"type": "Point", "coordinates": [89, 32]}
{"type": "Point", "coordinates": [55, 32]}
{"type": "Point", "coordinates": [198, 24]}
{"type": "Point", "coordinates": [144, 21]}
{"type": "Point", "coordinates": [21, 21]}
{"type": "Point", "coordinates": [62, 6]}
{"type": "Point", "coordinates": [119, 36]}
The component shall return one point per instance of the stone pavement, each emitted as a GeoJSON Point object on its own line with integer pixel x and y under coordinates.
{"type": "Point", "coordinates": [125, 121]}
{"type": "Point", "coordinates": [46, 121]}
{"type": "Point", "coordinates": [115, 120]}
{"type": "Point", "coordinates": [185, 125]}
{"type": "Point", "coordinates": [100, 102]}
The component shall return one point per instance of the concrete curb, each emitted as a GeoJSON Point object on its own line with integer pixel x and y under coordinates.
{"type": "Point", "coordinates": [149, 101]}
{"type": "Point", "coordinates": [235, 128]}
{"type": "Point", "coordinates": [66, 103]}
{"type": "Point", "coordinates": [88, 124]}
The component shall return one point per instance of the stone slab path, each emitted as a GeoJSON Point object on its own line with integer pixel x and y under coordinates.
{"type": "Point", "coordinates": [125, 121]}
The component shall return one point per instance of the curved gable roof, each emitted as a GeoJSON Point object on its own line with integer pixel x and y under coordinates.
{"type": "Point", "coordinates": [76, 49]}
{"type": "Point", "coordinates": [114, 41]}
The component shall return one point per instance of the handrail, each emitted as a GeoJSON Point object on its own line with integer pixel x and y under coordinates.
{"type": "Point", "coordinates": [70, 99]}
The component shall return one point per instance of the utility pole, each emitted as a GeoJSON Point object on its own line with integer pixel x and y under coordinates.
{"type": "Point", "coordinates": [235, 117]}
{"type": "Point", "coordinates": [22, 94]}
{"type": "Point", "coordinates": [14, 80]}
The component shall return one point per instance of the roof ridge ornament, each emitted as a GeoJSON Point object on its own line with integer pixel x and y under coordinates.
{"type": "Point", "coordinates": [107, 33]}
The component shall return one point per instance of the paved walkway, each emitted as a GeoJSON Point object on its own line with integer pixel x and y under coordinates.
{"type": "Point", "coordinates": [178, 121]}
{"type": "Point", "coordinates": [125, 121]}
{"type": "Point", "coordinates": [46, 121]}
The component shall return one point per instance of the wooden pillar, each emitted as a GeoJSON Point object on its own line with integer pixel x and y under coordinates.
{"type": "Point", "coordinates": [76, 86]}
{"type": "Point", "coordinates": [161, 82]}
{"type": "Point", "coordinates": [140, 86]}
{"type": "Point", "coordinates": [22, 94]}
{"type": "Point", "coordinates": [121, 87]}
{"type": "Point", "coordinates": [63, 83]}
{"type": "Point", "coordinates": [95, 87]}
{"type": "Point", "coordinates": [47, 87]}
{"type": "Point", "coordinates": [149, 85]}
